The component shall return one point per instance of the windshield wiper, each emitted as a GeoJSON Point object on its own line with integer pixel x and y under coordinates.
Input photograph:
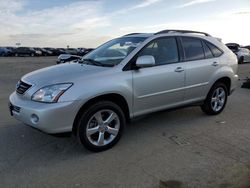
{"type": "Point", "coordinates": [93, 62]}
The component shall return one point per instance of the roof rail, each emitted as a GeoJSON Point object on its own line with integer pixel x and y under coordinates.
{"type": "Point", "coordinates": [132, 34]}
{"type": "Point", "coordinates": [181, 31]}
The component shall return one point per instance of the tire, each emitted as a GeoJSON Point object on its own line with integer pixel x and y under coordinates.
{"type": "Point", "coordinates": [16, 54]}
{"type": "Point", "coordinates": [241, 60]}
{"type": "Point", "coordinates": [32, 55]}
{"type": "Point", "coordinates": [96, 136]}
{"type": "Point", "coordinates": [217, 96]}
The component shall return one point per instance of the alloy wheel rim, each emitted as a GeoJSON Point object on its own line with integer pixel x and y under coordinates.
{"type": "Point", "coordinates": [218, 99]}
{"type": "Point", "coordinates": [103, 127]}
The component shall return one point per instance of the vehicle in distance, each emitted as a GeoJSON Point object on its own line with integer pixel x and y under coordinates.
{"type": "Point", "coordinates": [72, 51]}
{"type": "Point", "coordinates": [242, 53]}
{"type": "Point", "coordinates": [11, 49]}
{"type": "Point", "coordinates": [5, 51]}
{"type": "Point", "coordinates": [64, 58]}
{"type": "Point", "coordinates": [248, 47]}
{"type": "Point", "coordinates": [44, 52]}
{"type": "Point", "coordinates": [130, 76]}
{"type": "Point", "coordinates": [26, 51]}
{"type": "Point", "coordinates": [56, 51]}
{"type": "Point", "coordinates": [84, 51]}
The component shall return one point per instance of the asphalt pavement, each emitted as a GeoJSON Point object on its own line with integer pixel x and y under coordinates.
{"type": "Point", "coordinates": [172, 149]}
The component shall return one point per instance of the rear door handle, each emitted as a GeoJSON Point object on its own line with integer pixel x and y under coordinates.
{"type": "Point", "coordinates": [215, 64]}
{"type": "Point", "coordinates": [179, 69]}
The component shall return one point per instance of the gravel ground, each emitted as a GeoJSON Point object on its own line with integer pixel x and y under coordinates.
{"type": "Point", "coordinates": [172, 149]}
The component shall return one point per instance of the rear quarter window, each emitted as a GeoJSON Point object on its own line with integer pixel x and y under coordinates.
{"type": "Point", "coordinates": [215, 50]}
{"type": "Point", "coordinates": [208, 52]}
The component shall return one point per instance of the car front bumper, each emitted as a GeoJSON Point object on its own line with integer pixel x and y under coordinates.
{"type": "Point", "coordinates": [47, 117]}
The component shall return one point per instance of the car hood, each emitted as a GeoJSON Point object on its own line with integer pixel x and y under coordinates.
{"type": "Point", "coordinates": [68, 72]}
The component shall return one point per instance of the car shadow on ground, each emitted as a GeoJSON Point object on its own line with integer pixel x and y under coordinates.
{"type": "Point", "coordinates": [26, 137]}
{"type": "Point", "coordinates": [66, 143]}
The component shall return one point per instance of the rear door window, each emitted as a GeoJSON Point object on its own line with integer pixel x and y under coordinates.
{"type": "Point", "coordinates": [193, 49]}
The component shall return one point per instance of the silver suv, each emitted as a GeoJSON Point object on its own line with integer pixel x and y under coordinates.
{"type": "Point", "coordinates": [124, 78]}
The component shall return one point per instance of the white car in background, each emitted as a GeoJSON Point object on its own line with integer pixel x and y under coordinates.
{"type": "Point", "coordinates": [243, 54]}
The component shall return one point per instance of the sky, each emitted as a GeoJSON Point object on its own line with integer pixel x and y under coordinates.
{"type": "Point", "coordinates": [89, 23]}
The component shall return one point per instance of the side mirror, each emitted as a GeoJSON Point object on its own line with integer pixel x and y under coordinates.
{"type": "Point", "coordinates": [145, 61]}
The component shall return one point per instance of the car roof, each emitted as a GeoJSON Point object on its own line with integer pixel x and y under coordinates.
{"type": "Point", "coordinates": [187, 33]}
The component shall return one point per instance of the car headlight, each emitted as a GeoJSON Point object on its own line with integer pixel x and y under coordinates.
{"type": "Point", "coordinates": [50, 94]}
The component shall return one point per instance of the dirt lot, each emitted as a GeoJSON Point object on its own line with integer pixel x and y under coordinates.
{"type": "Point", "coordinates": [172, 149]}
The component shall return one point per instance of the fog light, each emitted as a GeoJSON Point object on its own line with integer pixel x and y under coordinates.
{"type": "Point", "coordinates": [34, 118]}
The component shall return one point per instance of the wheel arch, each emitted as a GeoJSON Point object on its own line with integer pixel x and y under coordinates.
{"type": "Point", "coordinates": [225, 80]}
{"type": "Point", "coordinates": [113, 97]}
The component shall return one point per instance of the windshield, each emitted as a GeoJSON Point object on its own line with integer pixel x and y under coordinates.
{"type": "Point", "coordinates": [114, 51]}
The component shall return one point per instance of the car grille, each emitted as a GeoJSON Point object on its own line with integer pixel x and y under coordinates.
{"type": "Point", "coordinates": [22, 87]}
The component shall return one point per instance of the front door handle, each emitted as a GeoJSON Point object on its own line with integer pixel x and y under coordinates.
{"type": "Point", "coordinates": [179, 69]}
{"type": "Point", "coordinates": [215, 64]}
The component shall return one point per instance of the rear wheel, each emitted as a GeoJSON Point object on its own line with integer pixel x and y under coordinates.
{"type": "Point", "coordinates": [100, 127]}
{"type": "Point", "coordinates": [216, 99]}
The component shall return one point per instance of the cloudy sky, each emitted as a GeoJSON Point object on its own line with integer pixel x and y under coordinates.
{"type": "Point", "coordinates": [88, 23]}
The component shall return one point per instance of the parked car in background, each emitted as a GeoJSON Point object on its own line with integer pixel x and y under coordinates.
{"type": "Point", "coordinates": [84, 51]}
{"type": "Point", "coordinates": [26, 51]}
{"type": "Point", "coordinates": [64, 58]}
{"type": "Point", "coordinates": [56, 51]}
{"type": "Point", "coordinates": [72, 51]}
{"type": "Point", "coordinates": [44, 51]}
{"type": "Point", "coordinates": [61, 50]}
{"type": "Point", "coordinates": [234, 47]}
{"type": "Point", "coordinates": [38, 49]}
{"type": "Point", "coordinates": [80, 51]}
{"type": "Point", "coordinates": [126, 77]}
{"type": "Point", "coordinates": [243, 54]}
{"type": "Point", "coordinates": [11, 49]}
{"type": "Point", "coordinates": [38, 52]}
{"type": "Point", "coordinates": [248, 47]}
{"type": "Point", "coordinates": [5, 51]}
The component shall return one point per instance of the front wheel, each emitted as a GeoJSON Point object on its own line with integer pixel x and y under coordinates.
{"type": "Point", "coordinates": [216, 99]}
{"type": "Point", "coordinates": [100, 127]}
